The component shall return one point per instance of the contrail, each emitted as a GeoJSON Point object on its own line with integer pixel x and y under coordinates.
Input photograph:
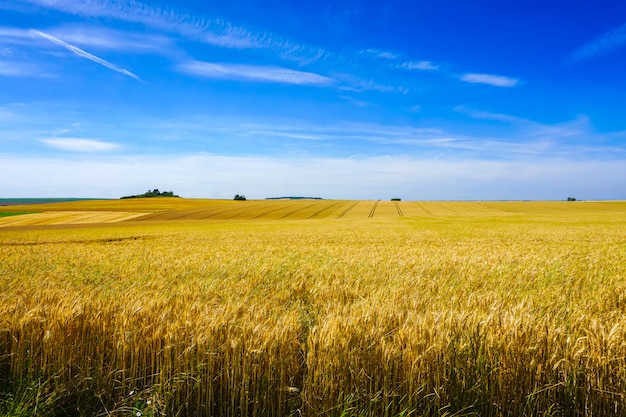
{"type": "Point", "coordinates": [86, 55]}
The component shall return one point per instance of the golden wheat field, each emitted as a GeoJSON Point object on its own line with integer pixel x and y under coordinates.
{"type": "Point", "coordinates": [182, 307]}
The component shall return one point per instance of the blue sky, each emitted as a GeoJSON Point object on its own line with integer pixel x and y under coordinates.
{"type": "Point", "coordinates": [419, 99]}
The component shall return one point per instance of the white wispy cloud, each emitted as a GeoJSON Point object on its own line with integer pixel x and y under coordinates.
{"type": "Point", "coordinates": [231, 38]}
{"type": "Point", "coordinates": [20, 69]}
{"type": "Point", "coordinates": [497, 136]}
{"type": "Point", "coordinates": [495, 80]}
{"type": "Point", "coordinates": [415, 108]}
{"type": "Point", "coordinates": [81, 145]}
{"type": "Point", "coordinates": [420, 65]}
{"type": "Point", "coordinates": [578, 131]}
{"type": "Point", "coordinates": [253, 73]}
{"type": "Point", "coordinates": [350, 82]}
{"type": "Point", "coordinates": [492, 135]}
{"type": "Point", "coordinates": [485, 115]}
{"type": "Point", "coordinates": [86, 55]}
{"type": "Point", "coordinates": [572, 138]}
{"type": "Point", "coordinates": [358, 103]}
{"type": "Point", "coordinates": [15, 36]}
{"type": "Point", "coordinates": [374, 133]}
{"type": "Point", "coordinates": [110, 39]}
{"type": "Point", "coordinates": [206, 29]}
{"type": "Point", "coordinates": [381, 54]}
{"type": "Point", "coordinates": [6, 114]}
{"type": "Point", "coordinates": [125, 10]}
{"type": "Point", "coordinates": [608, 42]}
{"type": "Point", "coordinates": [517, 138]}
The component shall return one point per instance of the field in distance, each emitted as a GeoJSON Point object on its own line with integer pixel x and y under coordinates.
{"type": "Point", "coordinates": [168, 209]}
{"type": "Point", "coordinates": [313, 308]}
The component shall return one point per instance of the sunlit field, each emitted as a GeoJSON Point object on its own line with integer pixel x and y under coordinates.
{"type": "Point", "coordinates": [185, 307]}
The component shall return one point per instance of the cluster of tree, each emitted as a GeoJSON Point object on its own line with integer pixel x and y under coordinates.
{"type": "Point", "coordinates": [240, 197]}
{"type": "Point", "coordinates": [152, 193]}
{"type": "Point", "coordinates": [571, 199]}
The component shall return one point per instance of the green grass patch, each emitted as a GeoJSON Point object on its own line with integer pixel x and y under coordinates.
{"type": "Point", "coordinates": [14, 213]}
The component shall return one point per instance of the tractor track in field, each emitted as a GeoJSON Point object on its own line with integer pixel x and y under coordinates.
{"type": "Point", "coordinates": [229, 210]}
{"type": "Point", "coordinates": [322, 210]}
{"type": "Point", "coordinates": [343, 213]}
{"type": "Point", "coordinates": [425, 209]}
{"type": "Point", "coordinates": [208, 213]}
{"type": "Point", "coordinates": [399, 210]}
{"type": "Point", "coordinates": [373, 211]}
{"type": "Point", "coordinates": [295, 211]}
{"type": "Point", "coordinates": [272, 211]}
{"type": "Point", "coordinates": [238, 214]}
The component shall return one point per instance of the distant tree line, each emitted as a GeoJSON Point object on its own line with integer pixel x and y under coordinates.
{"type": "Point", "coordinates": [240, 197]}
{"type": "Point", "coordinates": [152, 193]}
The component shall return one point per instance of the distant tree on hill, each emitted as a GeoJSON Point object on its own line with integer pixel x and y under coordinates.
{"type": "Point", "coordinates": [152, 193]}
{"type": "Point", "coordinates": [240, 197]}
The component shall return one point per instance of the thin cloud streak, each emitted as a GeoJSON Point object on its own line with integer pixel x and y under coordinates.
{"type": "Point", "coordinates": [484, 115]}
{"type": "Point", "coordinates": [604, 44]}
{"type": "Point", "coordinates": [253, 73]}
{"type": "Point", "coordinates": [229, 40]}
{"type": "Point", "coordinates": [17, 69]}
{"type": "Point", "coordinates": [523, 138]}
{"type": "Point", "coordinates": [350, 82]}
{"type": "Point", "coordinates": [109, 39]}
{"type": "Point", "coordinates": [421, 65]}
{"type": "Point", "coordinates": [15, 36]}
{"type": "Point", "coordinates": [81, 145]}
{"type": "Point", "coordinates": [381, 54]}
{"type": "Point", "coordinates": [85, 55]}
{"type": "Point", "coordinates": [495, 80]}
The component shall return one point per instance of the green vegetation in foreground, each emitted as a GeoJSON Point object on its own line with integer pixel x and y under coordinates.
{"type": "Point", "coordinates": [29, 201]}
{"type": "Point", "coordinates": [14, 213]}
